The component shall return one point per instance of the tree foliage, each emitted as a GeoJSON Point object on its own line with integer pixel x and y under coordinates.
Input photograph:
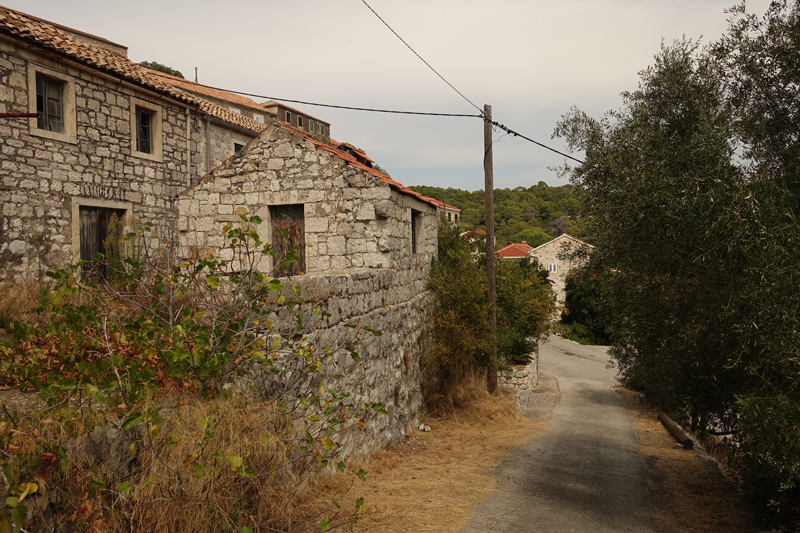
{"type": "Point", "coordinates": [535, 214]}
{"type": "Point", "coordinates": [692, 188]}
{"type": "Point", "coordinates": [162, 68]}
{"type": "Point", "coordinates": [461, 334]}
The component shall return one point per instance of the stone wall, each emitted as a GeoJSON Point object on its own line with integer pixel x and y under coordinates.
{"type": "Point", "coordinates": [352, 219]}
{"type": "Point", "coordinates": [46, 176]}
{"type": "Point", "coordinates": [560, 252]}
{"type": "Point", "coordinates": [359, 262]}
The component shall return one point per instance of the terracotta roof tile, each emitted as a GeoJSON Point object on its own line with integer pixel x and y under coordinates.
{"type": "Point", "coordinates": [195, 87]}
{"type": "Point", "coordinates": [50, 36]}
{"type": "Point", "coordinates": [514, 250]}
{"type": "Point", "coordinates": [439, 204]}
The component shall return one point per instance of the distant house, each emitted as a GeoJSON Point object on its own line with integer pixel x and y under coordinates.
{"type": "Point", "coordinates": [473, 234]}
{"type": "Point", "coordinates": [447, 212]}
{"type": "Point", "coordinates": [298, 119]}
{"type": "Point", "coordinates": [514, 251]}
{"type": "Point", "coordinates": [560, 256]}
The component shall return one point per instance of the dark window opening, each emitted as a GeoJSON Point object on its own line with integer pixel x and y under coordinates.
{"type": "Point", "coordinates": [49, 104]}
{"type": "Point", "coordinates": [237, 147]}
{"type": "Point", "coordinates": [291, 246]}
{"type": "Point", "coordinates": [144, 130]}
{"type": "Point", "coordinates": [101, 233]}
{"type": "Point", "coordinates": [416, 231]}
{"type": "Point", "coordinates": [288, 117]}
{"type": "Point", "coordinates": [300, 122]}
{"type": "Point", "coordinates": [322, 129]}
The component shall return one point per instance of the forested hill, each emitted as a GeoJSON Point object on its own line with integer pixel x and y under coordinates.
{"type": "Point", "coordinates": [535, 215]}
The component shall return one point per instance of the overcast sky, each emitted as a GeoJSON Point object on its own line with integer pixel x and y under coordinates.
{"type": "Point", "coordinates": [530, 59]}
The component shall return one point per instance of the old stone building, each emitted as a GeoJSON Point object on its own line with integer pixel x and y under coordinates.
{"type": "Point", "coordinates": [366, 245]}
{"type": "Point", "coordinates": [114, 139]}
{"type": "Point", "coordinates": [559, 256]}
{"type": "Point", "coordinates": [109, 139]}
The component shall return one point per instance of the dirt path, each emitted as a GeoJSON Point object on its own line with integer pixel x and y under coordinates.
{"type": "Point", "coordinates": [435, 482]}
{"type": "Point", "coordinates": [688, 490]}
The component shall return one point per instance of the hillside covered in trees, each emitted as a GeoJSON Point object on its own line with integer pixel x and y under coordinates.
{"type": "Point", "coordinates": [535, 215]}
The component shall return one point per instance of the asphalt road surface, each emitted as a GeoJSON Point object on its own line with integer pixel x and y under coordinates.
{"type": "Point", "coordinates": [585, 473]}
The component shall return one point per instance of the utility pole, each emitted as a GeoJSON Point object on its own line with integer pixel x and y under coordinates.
{"type": "Point", "coordinates": [488, 172]}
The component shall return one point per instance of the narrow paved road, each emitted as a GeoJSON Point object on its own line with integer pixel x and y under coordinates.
{"type": "Point", "coordinates": [584, 474]}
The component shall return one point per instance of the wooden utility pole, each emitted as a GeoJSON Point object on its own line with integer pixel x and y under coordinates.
{"type": "Point", "coordinates": [488, 172]}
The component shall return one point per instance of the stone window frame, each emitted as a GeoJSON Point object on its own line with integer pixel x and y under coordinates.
{"type": "Point", "coordinates": [288, 117]}
{"type": "Point", "coordinates": [321, 128]}
{"type": "Point", "coordinates": [75, 223]}
{"type": "Point", "coordinates": [258, 118]}
{"type": "Point", "coordinates": [300, 121]}
{"type": "Point", "coordinates": [552, 267]}
{"type": "Point", "coordinates": [158, 117]}
{"type": "Point", "coordinates": [69, 112]}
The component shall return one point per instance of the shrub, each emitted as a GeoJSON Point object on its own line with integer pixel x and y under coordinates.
{"type": "Point", "coordinates": [220, 460]}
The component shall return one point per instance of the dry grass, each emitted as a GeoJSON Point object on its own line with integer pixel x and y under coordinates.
{"type": "Point", "coordinates": [432, 482]}
{"type": "Point", "coordinates": [688, 491]}
{"type": "Point", "coordinates": [17, 299]}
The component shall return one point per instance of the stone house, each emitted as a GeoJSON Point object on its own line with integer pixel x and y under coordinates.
{"type": "Point", "coordinates": [109, 139]}
{"type": "Point", "coordinates": [298, 119]}
{"type": "Point", "coordinates": [559, 256]}
{"type": "Point", "coordinates": [112, 138]}
{"type": "Point", "coordinates": [365, 246]}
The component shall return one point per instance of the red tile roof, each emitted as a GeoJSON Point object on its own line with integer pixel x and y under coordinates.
{"type": "Point", "coordinates": [514, 250]}
{"type": "Point", "coordinates": [219, 94]}
{"type": "Point", "coordinates": [440, 203]}
{"type": "Point", "coordinates": [51, 37]}
{"type": "Point", "coordinates": [477, 232]}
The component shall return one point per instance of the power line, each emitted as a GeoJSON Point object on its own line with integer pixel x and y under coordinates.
{"type": "Point", "coordinates": [421, 59]}
{"type": "Point", "coordinates": [516, 134]}
{"type": "Point", "coordinates": [396, 112]}
{"type": "Point", "coordinates": [393, 111]}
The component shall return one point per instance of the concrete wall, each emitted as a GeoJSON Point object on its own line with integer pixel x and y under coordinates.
{"type": "Point", "coordinates": [45, 176]}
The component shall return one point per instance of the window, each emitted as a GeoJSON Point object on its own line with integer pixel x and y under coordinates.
{"type": "Point", "coordinates": [144, 130]}
{"type": "Point", "coordinates": [288, 117]}
{"type": "Point", "coordinates": [322, 129]}
{"type": "Point", "coordinates": [311, 125]}
{"type": "Point", "coordinates": [552, 267]}
{"type": "Point", "coordinates": [234, 110]}
{"type": "Point", "coordinates": [49, 104]}
{"type": "Point", "coordinates": [237, 147]}
{"type": "Point", "coordinates": [100, 233]}
{"type": "Point", "coordinates": [300, 122]}
{"type": "Point", "coordinates": [416, 231]}
{"type": "Point", "coordinates": [288, 239]}
{"type": "Point", "coordinates": [258, 118]}
{"type": "Point", "coordinates": [52, 98]}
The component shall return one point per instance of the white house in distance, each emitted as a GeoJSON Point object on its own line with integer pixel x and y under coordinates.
{"type": "Point", "coordinates": [559, 257]}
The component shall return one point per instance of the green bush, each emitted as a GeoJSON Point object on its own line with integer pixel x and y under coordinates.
{"type": "Point", "coordinates": [460, 338]}
{"type": "Point", "coordinates": [585, 290]}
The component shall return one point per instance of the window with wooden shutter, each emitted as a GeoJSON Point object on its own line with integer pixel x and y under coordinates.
{"type": "Point", "coordinates": [100, 233]}
{"type": "Point", "coordinates": [288, 237]}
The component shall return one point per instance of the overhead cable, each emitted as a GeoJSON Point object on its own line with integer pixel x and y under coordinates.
{"type": "Point", "coordinates": [393, 111]}
{"type": "Point", "coordinates": [516, 134]}
{"type": "Point", "coordinates": [421, 59]}
{"type": "Point", "coordinates": [397, 112]}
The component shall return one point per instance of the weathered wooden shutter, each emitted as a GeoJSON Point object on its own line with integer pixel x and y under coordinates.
{"type": "Point", "coordinates": [289, 218]}
{"type": "Point", "coordinates": [94, 231]}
